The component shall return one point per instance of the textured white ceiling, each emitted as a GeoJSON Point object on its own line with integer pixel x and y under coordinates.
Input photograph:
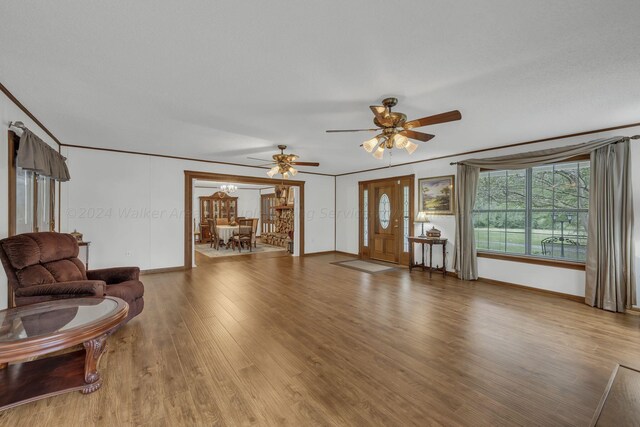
{"type": "Point", "coordinates": [223, 80]}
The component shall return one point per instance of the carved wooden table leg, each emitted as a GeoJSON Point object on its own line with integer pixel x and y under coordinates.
{"type": "Point", "coordinates": [94, 350]}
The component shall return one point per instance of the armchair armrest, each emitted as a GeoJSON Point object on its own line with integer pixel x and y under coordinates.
{"type": "Point", "coordinates": [114, 275]}
{"type": "Point", "coordinates": [76, 288]}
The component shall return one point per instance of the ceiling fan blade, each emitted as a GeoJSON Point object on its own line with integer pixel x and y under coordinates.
{"type": "Point", "coordinates": [262, 160]}
{"type": "Point", "coordinates": [305, 163]}
{"type": "Point", "coordinates": [352, 130]}
{"type": "Point", "coordinates": [432, 120]}
{"type": "Point", "coordinates": [420, 136]}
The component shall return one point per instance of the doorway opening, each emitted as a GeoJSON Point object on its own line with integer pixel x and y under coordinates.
{"type": "Point", "coordinates": [386, 218]}
{"type": "Point", "coordinates": [229, 216]}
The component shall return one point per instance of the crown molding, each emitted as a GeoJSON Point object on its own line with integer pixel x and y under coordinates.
{"type": "Point", "coordinates": [166, 156]}
{"type": "Point", "coordinates": [499, 147]}
{"type": "Point", "coordinates": [25, 110]}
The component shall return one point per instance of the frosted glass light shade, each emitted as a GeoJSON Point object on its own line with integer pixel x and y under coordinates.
{"type": "Point", "coordinates": [379, 153]}
{"type": "Point", "coordinates": [293, 171]}
{"type": "Point", "coordinates": [401, 141]}
{"type": "Point", "coordinates": [370, 144]}
{"type": "Point", "coordinates": [274, 170]}
{"type": "Point", "coordinates": [410, 147]}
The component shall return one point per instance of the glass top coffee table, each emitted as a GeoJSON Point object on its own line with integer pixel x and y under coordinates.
{"type": "Point", "coordinates": [38, 329]}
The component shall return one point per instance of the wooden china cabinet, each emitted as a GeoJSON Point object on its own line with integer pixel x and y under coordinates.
{"type": "Point", "coordinates": [217, 205]}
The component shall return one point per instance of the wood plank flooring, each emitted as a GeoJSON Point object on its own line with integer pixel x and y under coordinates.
{"type": "Point", "coordinates": [277, 340]}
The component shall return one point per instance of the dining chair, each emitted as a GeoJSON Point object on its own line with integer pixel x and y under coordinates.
{"type": "Point", "coordinates": [254, 236]}
{"type": "Point", "coordinates": [215, 237]}
{"type": "Point", "coordinates": [245, 227]}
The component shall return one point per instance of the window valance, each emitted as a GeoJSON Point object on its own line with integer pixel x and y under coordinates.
{"type": "Point", "coordinates": [541, 157]}
{"type": "Point", "coordinates": [36, 155]}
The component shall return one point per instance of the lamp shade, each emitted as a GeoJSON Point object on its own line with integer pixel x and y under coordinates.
{"type": "Point", "coordinates": [422, 217]}
{"type": "Point", "coordinates": [370, 144]}
{"type": "Point", "coordinates": [274, 170]}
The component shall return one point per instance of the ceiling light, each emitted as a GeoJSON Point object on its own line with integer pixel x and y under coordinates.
{"type": "Point", "coordinates": [274, 170]}
{"type": "Point", "coordinates": [379, 153]}
{"type": "Point", "coordinates": [285, 175]}
{"type": "Point", "coordinates": [400, 141]}
{"type": "Point", "coordinates": [371, 144]}
{"type": "Point", "coordinates": [410, 147]}
{"type": "Point", "coordinates": [293, 171]}
{"type": "Point", "coordinates": [229, 188]}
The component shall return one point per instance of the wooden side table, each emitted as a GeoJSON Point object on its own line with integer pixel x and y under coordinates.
{"type": "Point", "coordinates": [38, 329]}
{"type": "Point", "coordinates": [430, 241]}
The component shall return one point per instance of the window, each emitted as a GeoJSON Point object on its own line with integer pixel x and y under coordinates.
{"type": "Point", "coordinates": [33, 198]}
{"type": "Point", "coordinates": [365, 222]}
{"type": "Point", "coordinates": [540, 212]}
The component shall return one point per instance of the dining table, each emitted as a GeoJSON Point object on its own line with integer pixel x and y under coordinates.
{"type": "Point", "coordinates": [225, 232]}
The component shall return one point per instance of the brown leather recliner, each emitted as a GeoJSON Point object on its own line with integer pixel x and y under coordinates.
{"type": "Point", "coordinates": [45, 266]}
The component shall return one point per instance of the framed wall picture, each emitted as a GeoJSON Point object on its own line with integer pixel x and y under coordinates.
{"type": "Point", "coordinates": [436, 195]}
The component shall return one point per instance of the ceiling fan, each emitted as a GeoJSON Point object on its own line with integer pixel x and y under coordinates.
{"type": "Point", "coordinates": [396, 131]}
{"type": "Point", "coordinates": [284, 163]}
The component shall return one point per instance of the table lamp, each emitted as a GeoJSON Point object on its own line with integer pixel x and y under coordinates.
{"type": "Point", "coordinates": [422, 218]}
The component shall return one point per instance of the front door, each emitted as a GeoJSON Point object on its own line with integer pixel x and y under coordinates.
{"type": "Point", "coordinates": [387, 218]}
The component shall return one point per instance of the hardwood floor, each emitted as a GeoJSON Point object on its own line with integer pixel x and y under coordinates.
{"type": "Point", "coordinates": [298, 341]}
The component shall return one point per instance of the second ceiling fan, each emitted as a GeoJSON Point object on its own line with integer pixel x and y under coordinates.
{"type": "Point", "coordinates": [396, 131]}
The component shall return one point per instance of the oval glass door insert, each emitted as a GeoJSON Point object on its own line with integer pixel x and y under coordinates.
{"type": "Point", "coordinates": [384, 211]}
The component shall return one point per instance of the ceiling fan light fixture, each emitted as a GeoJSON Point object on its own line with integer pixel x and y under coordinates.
{"type": "Point", "coordinates": [379, 153]}
{"type": "Point", "coordinates": [285, 175]}
{"type": "Point", "coordinates": [370, 144]}
{"type": "Point", "coordinates": [293, 171]}
{"type": "Point", "coordinates": [410, 147]}
{"type": "Point", "coordinates": [274, 170]}
{"type": "Point", "coordinates": [400, 141]}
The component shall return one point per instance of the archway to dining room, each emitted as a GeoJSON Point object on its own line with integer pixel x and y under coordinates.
{"type": "Point", "coordinates": [230, 217]}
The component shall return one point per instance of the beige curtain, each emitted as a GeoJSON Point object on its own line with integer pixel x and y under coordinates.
{"type": "Point", "coordinates": [465, 257]}
{"type": "Point", "coordinates": [610, 275]}
{"type": "Point", "coordinates": [36, 155]}
{"type": "Point", "coordinates": [540, 157]}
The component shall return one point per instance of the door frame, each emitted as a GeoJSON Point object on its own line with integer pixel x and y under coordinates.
{"type": "Point", "coordinates": [363, 252]}
{"type": "Point", "coordinates": [190, 176]}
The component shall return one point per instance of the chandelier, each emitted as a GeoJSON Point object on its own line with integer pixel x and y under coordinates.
{"type": "Point", "coordinates": [229, 188]}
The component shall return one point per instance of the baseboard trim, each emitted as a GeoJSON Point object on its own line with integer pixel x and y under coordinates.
{"type": "Point", "coordinates": [330, 252]}
{"type": "Point", "coordinates": [319, 253]}
{"type": "Point", "coordinates": [346, 253]}
{"type": "Point", "coordinates": [576, 298]}
{"type": "Point", "coordinates": [162, 270]}
{"type": "Point", "coordinates": [635, 311]}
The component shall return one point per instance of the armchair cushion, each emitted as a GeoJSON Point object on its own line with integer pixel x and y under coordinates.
{"type": "Point", "coordinates": [128, 291]}
{"type": "Point", "coordinates": [114, 275]}
{"type": "Point", "coordinates": [75, 288]}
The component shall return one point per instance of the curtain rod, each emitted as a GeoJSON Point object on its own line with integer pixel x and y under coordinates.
{"type": "Point", "coordinates": [17, 124]}
{"type": "Point", "coordinates": [624, 139]}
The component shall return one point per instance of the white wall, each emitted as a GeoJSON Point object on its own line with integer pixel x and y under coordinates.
{"type": "Point", "coordinates": [537, 276]}
{"type": "Point", "coordinates": [131, 206]}
{"type": "Point", "coordinates": [9, 112]}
